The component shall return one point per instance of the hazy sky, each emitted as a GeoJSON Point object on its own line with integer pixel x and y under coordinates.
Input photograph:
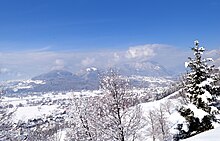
{"type": "Point", "coordinates": [39, 35]}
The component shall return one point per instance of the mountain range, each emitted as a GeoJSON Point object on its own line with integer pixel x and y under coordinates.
{"type": "Point", "coordinates": [88, 79]}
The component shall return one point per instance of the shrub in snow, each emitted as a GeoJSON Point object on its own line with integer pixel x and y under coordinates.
{"type": "Point", "coordinates": [201, 91]}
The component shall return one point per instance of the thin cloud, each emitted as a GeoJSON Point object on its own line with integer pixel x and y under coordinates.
{"type": "Point", "coordinates": [138, 52]}
{"type": "Point", "coordinates": [59, 64]}
{"type": "Point", "coordinates": [146, 51]}
{"type": "Point", "coordinates": [31, 63]}
{"type": "Point", "coordinates": [88, 61]}
{"type": "Point", "coordinates": [4, 70]}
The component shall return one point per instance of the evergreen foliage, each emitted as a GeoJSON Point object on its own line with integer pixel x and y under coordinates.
{"type": "Point", "coordinates": [202, 92]}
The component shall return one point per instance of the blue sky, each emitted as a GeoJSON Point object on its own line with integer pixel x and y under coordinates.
{"type": "Point", "coordinates": [41, 35]}
{"type": "Point", "coordinates": [111, 24]}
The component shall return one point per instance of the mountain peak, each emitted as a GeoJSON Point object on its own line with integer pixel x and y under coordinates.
{"type": "Point", "coordinates": [91, 69]}
{"type": "Point", "coordinates": [53, 75]}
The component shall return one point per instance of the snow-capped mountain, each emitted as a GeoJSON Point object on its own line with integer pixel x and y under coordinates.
{"type": "Point", "coordinates": [54, 75]}
{"type": "Point", "coordinates": [141, 74]}
{"type": "Point", "coordinates": [56, 80]}
{"type": "Point", "coordinates": [61, 80]}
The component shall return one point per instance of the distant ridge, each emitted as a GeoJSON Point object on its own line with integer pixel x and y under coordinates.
{"type": "Point", "coordinates": [144, 68]}
{"type": "Point", "coordinates": [88, 78]}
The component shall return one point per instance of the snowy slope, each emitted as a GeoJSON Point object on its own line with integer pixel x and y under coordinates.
{"type": "Point", "coordinates": [36, 111]}
{"type": "Point", "coordinates": [211, 135]}
{"type": "Point", "coordinates": [174, 117]}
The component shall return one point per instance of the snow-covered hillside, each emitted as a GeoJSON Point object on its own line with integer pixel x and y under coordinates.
{"type": "Point", "coordinates": [37, 107]}
{"type": "Point", "coordinates": [211, 135]}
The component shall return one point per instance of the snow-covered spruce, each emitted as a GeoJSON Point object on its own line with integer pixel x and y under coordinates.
{"type": "Point", "coordinates": [201, 92]}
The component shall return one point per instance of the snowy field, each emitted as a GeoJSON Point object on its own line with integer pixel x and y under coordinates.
{"type": "Point", "coordinates": [40, 106]}
{"type": "Point", "coordinates": [211, 135]}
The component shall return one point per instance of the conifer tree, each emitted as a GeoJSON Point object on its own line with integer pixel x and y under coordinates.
{"type": "Point", "coordinates": [201, 91]}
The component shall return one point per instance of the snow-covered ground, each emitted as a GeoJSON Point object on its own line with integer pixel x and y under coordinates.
{"type": "Point", "coordinates": [211, 135]}
{"type": "Point", "coordinates": [31, 112]}
{"type": "Point", "coordinates": [32, 108]}
{"type": "Point", "coordinates": [174, 117]}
